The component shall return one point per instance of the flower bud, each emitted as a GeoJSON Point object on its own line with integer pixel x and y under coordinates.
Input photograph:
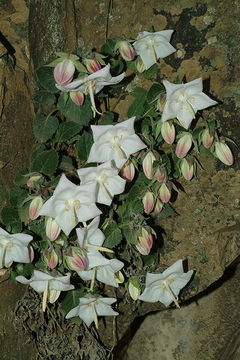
{"type": "Point", "coordinates": [183, 145]}
{"type": "Point", "coordinates": [140, 65]}
{"type": "Point", "coordinates": [92, 65]}
{"type": "Point", "coordinates": [126, 50]}
{"type": "Point", "coordinates": [145, 242]}
{"type": "Point", "coordinates": [75, 259]}
{"type": "Point", "coordinates": [128, 171]}
{"type": "Point", "coordinates": [35, 207]}
{"type": "Point", "coordinates": [148, 164]}
{"type": "Point", "coordinates": [186, 169]}
{"type": "Point", "coordinates": [223, 153]}
{"type": "Point", "coordinates": [207, 139]}
{"type": "Point", "coordinates": [158, 206]}
{"type": "Point", "coordinates": [148, 202]}
{"type": "Point", "coordinates": [168, 132]}
{"type": "Point", "coordinates": [63, 72]}
{"type": "Point", "coordinates": [77, 97]}
{"type": "Point", "coordinates": [52, 229]}
{"type": "Point", "coordinates": [119, 277]}
{"type": "Point", "coordinates": [164, 193]}
{"type": "Point", "coordinates": [134, 288]}
{"type": "Point", "coordinates": [31, 253]}
{"type": "Point", "coordinates": [50, 257]}
{"type": "Point", "coordinates": [33, 180]}
{"type": "Point", "coordinates": [160, 174]}
{"type": "Point", "coordinates": [161, 102]}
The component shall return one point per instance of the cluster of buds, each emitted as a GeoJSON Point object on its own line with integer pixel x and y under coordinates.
{"type": "Point", "coordinates": [145, 242]}
{"type": "Point", "coordinates": [151, 203]}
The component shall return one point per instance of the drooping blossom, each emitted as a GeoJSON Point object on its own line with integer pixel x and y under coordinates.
{"type": "Point", "coordinates": [77, 97]}
{"type": "Point", "coordinates": [223, 153]}
{"type": "Point", "coordinates": [148, 202]}
{"type": "Point", "coordinates": [134, 288]}
{"type": "Point", "coordinates": [92, 84]}
{"type": "Point", "coordinates": [63, 72]}
{"type": "Point", "coordinates": [128, 171]}
{"type": "Point", "coordinates": [52, 229]}
{"type": "Point", "coordinates": [90, 308]}
{"type": "Point", "coordinates": [115, 142]}
{"type": "Point", "coordinates": [148, 161]}
{"type": "Point", "coordinates": [166, 286]}
{"type": "Point", "coordinates": [50, 286]}
{"type": "Point", "coordinates": [14, 247]}
{"type": "Point", "coordinates": [207, 138]}
{"type": "Point", "coordinates": [168, 132]}
{"type": "Point", "coordinates": [34, 208]}
{"type": "Point", "coordinates": [153, 46]}
{"type": "Point", "coordinates": [70, 204]}
{"type": "Point", "coordinates": [184, 144]}
{"type": "Point", "coordinates": [184, 100]}
{"type": "Point", "coordinates": [187, 169]}
{"type": "Point", "coordinates": [103, 180]}
{"type": "Point", "coordinates": [126, 50]}
{"type": "Point", "coordinates": [145, 242]}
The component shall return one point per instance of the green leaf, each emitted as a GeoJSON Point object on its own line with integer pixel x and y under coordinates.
{"type": "Point", "coordinates": [20, 178]}
{"type": "Point", "coordinates": [71, 300]}
{"type": "Point", "coordinates": [150, 72]}
{"type": "Point", "coordinates": [83, 145]}
{"type": "Point", "coordinates": [67, 130]}
{"type": "Point", "coordinates": [167, 211]}
{"type": "Point", "coordinates": [108, 47]}
{"type": "Point", "coordinates": [130, 235]}
{"type": "Point", "coordinates": [108, 118]}
{"type": "Point", "coordinates": [80, 114]}
{"type": "Point", "coordinates": [17, 196]}
{"type": "Point", "coordinates": [10, 219]}
{"type": "Point", "coordinates": [44, 97]}
{"type": "Point", "coordinates": [66, 164]}
{"type": "Point", "coordinates": [154, 91]}
{"type": "Point", "coordinates": [38, 228]}
{"type": "Point", "coordinates": [138, 107]}
{"type": "Point", "coordinates": [117, 67]}
{"type": "Point", "coordinates": [46, 78]}
{"type": "Point", "coordinates": [113, 236]}
{"type": "Point", "coordinates": [44, 127]}
{"type": "Point", "coordinates": [45, 162]}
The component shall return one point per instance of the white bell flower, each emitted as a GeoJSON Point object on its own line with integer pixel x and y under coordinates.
{"type": "Point", "coordinates": [90, 308]}
{"type": "Point", "coordinates": [13, 247]}
{"type": "Point", "coordinates": [104, 181]}
{"type": "Point", "coordinates": [153, 46]}
{"type": "Point", "coordinates": [184, 100]}
{"type": "Point", "coordinates": [93, 83]}
{"type": "Point", "coordinates": [166, 286]}
{"type": "Point", "coordinates": [115, 142]}
{"type": "Point", "coordinates": [50, 286]}
{"type": "Point", "coordinates": [70, 204]}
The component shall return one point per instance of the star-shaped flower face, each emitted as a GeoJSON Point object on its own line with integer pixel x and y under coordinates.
{"type": "Point", "coordinates": [104, 273]}
{"type": "Point", "coordinates": [93, 83]}
{"type": "Point", "coordinates": [13, 247]}
{"type": "Point", "coordinates": [50, 286]}
{"type": "Point", "coordinates": [70, 204]}
{"type": "Point", "coordinates": [115, 142]}
{"type": "Point", "coordinates": [90, 240]}
{"type": "Point", "coordinates": [165, 287]}
{"type": "Point", "coordinates": [104, 181]}
{"type": "Point", "coordinates": [184, 100]}
{"type": "Point", "coordinates": [90, 308]}
{"type": "Point", "coordinates": [153, 46]}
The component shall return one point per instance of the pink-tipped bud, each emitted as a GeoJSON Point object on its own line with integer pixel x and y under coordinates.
{"type": "Point", "coordinates": [148, 164]}
{"type": "Point", "coordinates": [31, 253]}
{"type": "Point", "coordinates": [75, 259]}
{"type": "Point", "coordinates": [134, 288]}
{"type": "Point", "coordinates": [52, 229]}
{"type": "Point", "coordinates": [183, 145]}
{"type": "Point", "coordinates": [77, 97]}
{"type": "Point", "coordinates": [128, 171]}
{"type": "Point", "coordinates": [50, 257]}
{"type": "Point", "coordinates": [160, 174]}
{"type": "Point", "coordinates": [148, 202]}
{"type": "Point", "coordinates": [140, 65]}
{"type": "Point", "coordinates": [165, 193]}
{"type": "Point", "coordinates": [223, 153]}
{"type": "Point", "coordinates": [63, 72]}
{"type": "Point", "coordinates": [186, 169]}
{"type": "Point", "coordinates": [207, 139]}
{"type": "Point", "coordinates": [145, 242]}
{"type": "Point", "coordinates": [126, 50]}
{"type": "Point", "coordinates": [161, 102]}
{"type": "Point", "coordinates": [168, 132]}
{"type": "Point", "coordinates": [35, 179]}
{"type": "Point", "coordinates": [158, 206]}
{"type": "Point", "coordinates": [92, 65]}
{"type": "Point", "coordinates": [35, 207]}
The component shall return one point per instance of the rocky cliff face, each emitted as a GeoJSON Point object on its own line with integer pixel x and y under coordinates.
{"type": "Point", "coordinates": [206, 232]}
